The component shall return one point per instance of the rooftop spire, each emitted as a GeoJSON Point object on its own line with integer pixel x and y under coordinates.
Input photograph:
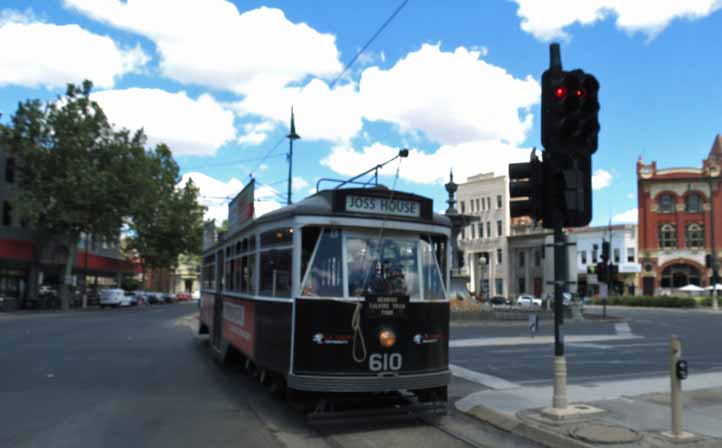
{"type": "Point", "coordinates": [292, 133]}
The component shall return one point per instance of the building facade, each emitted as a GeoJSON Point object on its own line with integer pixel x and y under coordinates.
{"type": "Point", "coordinates": [526, 258]}
{"type": "Point", "coordinates": [484, 243]}
{"type": "Point", "coordinates": [30, 259]}
{"type": "Point", "coordinates": [680, 219]}
{"type": "Point", "coordinates": [622, 252]}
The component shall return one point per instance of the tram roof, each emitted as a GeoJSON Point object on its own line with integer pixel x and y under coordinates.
{"type": "Point", "coordinates": [325, 203]}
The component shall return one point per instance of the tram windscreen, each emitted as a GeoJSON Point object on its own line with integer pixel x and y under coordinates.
{"type": "Point", "coordinates": [389, 266]}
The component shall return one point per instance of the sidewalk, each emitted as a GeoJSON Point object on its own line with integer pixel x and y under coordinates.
{"type": "Point", "coordinates": [629, 413]}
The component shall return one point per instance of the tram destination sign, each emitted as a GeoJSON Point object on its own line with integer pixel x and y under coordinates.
{"type": "Point", "coordinates": [383, 206]}
{"type": "Point", "coordinates": [378, 306]}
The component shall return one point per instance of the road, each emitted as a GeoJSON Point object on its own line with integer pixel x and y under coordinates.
{"type": "Point", "coordinates": [140, 377]}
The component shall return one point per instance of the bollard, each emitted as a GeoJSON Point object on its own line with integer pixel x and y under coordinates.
{"type": "Point", "coordinates": [676, 383]}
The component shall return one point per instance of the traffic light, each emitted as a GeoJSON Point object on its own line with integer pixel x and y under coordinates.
{"type": "Point", "coordinates": [570, 107]}
{"type": "Point", "coordinates": [602, 272]}
{"type": "Point", "coordinates": [605, 252]}
{"type": "Point", "coordinates": [708, 261]}
{"type": "Point", "coordinates": [526, 188]}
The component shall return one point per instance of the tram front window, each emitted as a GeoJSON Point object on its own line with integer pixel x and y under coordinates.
{"type": "Point", "coordinates": [393, 270]}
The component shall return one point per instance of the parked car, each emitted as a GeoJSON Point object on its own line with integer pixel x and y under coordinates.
{"type": "Point", "coordinates": [168, 297]}
{"type": "Point", "coordinates": [133, 297]}
{"type": "Point", "coordinates": [499, 300]}
{"type": "Point", "coordinates": [528, 300]}
{"type": "Point", "coordinates": [150, 298]}
{"type": "Point", "coordinates": [183, 296]}
{"type": "Point", "coordinates": [114, 297]}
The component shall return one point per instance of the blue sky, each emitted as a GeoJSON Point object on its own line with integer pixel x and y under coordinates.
{"type": "Point", "coordinates": [455, 82]}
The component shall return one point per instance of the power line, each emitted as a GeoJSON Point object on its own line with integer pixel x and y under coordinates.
{"type": "Point", "coordinates": [368, 43]}
{"type": "Point", "coordinates": [231, 162]}
{"type": "Point", "coordinates": [268, 154]}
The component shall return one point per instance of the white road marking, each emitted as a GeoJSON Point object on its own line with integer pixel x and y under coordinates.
{"type": "Point", "coordinates": [490, 381]}
{"type": "Point", "coordinates": [622, 328]}
{"type": "Point", "coordinates": [525, 340]}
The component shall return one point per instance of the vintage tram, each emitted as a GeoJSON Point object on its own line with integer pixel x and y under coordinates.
{"type": "Point", "coordinates": [341, 294]}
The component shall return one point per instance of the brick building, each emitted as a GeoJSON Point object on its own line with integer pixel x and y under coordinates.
{"type": "Point", "coordinates": [30, 259]}
{"type": "Point", "coordinates": [678, 210]}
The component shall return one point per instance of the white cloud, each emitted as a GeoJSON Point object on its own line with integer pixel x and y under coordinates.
{"type": "Point", "coordinates": [601, 179]}
{"type": "Point", "coordinates": [216, 194]}
{"type": "Point", "coordinates": [256, 133]}
{"type": "Point", "coordinates": [208, 42]}
{"type": "Point", "coordinates": [321, 113]}
{"type": "Point", "coordinates": [631, 196]}
{"type": "Point", "coordinates": [465, 159]}
{"type": "Point", "coordinates": [452, 97]}
{"type": "Point", "coordinates": [630, 216]}
{"type": "Point", "coordinates": [189, 126]}
{"type": "Point", "coordinates": [548, 19]}
{"type": "Point", "coordinates": [299, 183]}
{"type": "Point", "coordinates": [37, 54]}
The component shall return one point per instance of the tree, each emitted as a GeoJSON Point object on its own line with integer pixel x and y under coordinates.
{"type": "Point", "coordinates": [77, 174]}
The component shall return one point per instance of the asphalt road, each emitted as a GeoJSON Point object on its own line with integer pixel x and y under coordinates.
{"type": "Point", "coordinates": [641, 353]}
{"type": "Point", "coordinates": [140, 377]}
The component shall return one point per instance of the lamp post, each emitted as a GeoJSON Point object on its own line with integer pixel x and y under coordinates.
{"type": "Point", "coordinates": [714, 264]}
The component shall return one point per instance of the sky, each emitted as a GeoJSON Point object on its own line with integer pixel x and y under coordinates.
{"type": "Point", "coordinates": [457, 83]}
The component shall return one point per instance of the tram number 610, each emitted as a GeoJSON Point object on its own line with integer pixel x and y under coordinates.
{"type": "Point", "coordinates": [385, 361]}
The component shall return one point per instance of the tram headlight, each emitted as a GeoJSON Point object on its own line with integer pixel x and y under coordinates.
{"type": "Point", "coordinates": [387, 338]}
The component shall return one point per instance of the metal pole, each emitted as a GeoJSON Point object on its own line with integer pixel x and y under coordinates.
{"type": "Point", "coordinates": [676, 386]}
{"type": "Point", "coordinates": [715, 271]}
{"type": "Point", "coordinates": [559, 400]}
{"type": "Point", "coordinates": [290, 170]}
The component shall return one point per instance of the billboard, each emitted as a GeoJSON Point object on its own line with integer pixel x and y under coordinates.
{"type": "Point", "coordinates": [240, 209]}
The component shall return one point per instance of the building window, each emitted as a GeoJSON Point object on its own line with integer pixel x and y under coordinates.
{"type": "Point", "coordinates": [7, 214]}
{"type": "Point", "coordinates": [488, 203]}
{"type": "Point", "coordinates": [498, 256]}
{"type": "Point", "coordinates": [498, 228]}
{"type": "Point", "coordinates": [522, 285]}
{"type": "Point", "coordinates": [499, 286]}
{"type": "Point", "coordinates": [498, 201]}
{"type": "Point", "coordinates": [488, 229]}
{"type": "Point", "coordinates": [10, 170]}
{"type": "Point", "coordinates": [481, 230]}
{"type": "Point", "coordinates": [695, 235]}
{"type": "Point", "coordinates": [462, 207]}
{"type": "Point", "coordinates": [666, 203]}
{"type": "Point", "coordinates": [583, 256]}
{"type": "Point", "coordinates": [667, 236]}
{"type": "Point", "coordinates": [595, 253]}
{"type": "Point", "coordinates": [693, 203]}
{"type": "Point", "coordinates": [537, 258]}
{"type": "Point", "coordinates": [616, 255]}
{"type": "Point", "coordinates": [521, 259]}
{"type": "Point", "coordinates": [473, 232]}
{"type": "Point", "coordinates": [630, 255]}
{"type": "Point", "coordinates": [477, 205]}
{"type": "Point", "coordinates": [679, 275]}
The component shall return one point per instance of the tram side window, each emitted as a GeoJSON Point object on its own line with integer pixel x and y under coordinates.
{"type": "Point", "coordinates": [276, 273]}
{"type": "Point", "coordinates": [237, 268]}
{"type": "Point", "coordinates": [277, 237]}
{"type": "Point", "coordinates": [325, 276]}
{"type": "Point", "coordinates": [248, 282]}
{"type": "Point", "coordinates": [228, 285]}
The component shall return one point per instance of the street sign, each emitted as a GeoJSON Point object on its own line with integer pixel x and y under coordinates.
{"type": "Point", "coordinates": [603, 290]}
{"type": "Point", "coordinates": [592, 279]}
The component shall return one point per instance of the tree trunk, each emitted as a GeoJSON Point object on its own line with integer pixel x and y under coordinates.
{"type": "Point", "coordinates": [68, 274]}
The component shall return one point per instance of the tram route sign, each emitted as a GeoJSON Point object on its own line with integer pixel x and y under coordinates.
{"type": "Point", "coordinates": [386, 306]}
{"type": "Point", "coordinates": [383, 203]}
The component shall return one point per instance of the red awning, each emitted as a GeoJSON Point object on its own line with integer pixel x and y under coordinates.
{"type": "Point", "coordinates": [105, 264]}
{"type": "Point", "coordinates": [17, 250]}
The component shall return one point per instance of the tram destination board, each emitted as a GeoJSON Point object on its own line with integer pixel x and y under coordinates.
{"type": "Point", "coordinates": [383, 203]}
{"type": "Point", "coordinates": [386, 306]}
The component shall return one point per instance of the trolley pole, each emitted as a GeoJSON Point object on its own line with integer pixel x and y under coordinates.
{"type": "Point", "coordinates": [559, 400]}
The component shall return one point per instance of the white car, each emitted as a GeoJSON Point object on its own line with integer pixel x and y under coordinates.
{"type": "Point", "coordinates": [528, 301]}
{"type": "Point", "coordinates": [196, 295]}
{"type": "Point", "coordinates": [114, 297]}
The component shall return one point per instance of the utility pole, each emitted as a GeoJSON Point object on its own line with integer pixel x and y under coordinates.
{"type": "Point", "coordinates": [714, 264]}
{"type": "Point", "coordinates": [291, 137]}
{"type": "Point", "coordinates": [559, 398]}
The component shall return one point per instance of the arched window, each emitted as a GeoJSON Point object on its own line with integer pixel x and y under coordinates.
{"type": "Point", "coordinates": [667, 236]}
{"type": "Point", "coordinates": [679, 275]}
{"type": "Point", "coordinates": [695, 235]}
{"type": "Point", "coordinates": [693, 203]}
{"type": "Point", "coordinates": [666, 203]}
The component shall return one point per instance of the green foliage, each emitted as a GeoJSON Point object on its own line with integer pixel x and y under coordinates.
{"type": "Point", "coordinates": [657, 301]}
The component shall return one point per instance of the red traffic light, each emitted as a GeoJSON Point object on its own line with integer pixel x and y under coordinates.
{"type": "Point", "coordinates": [560, 92]}
{"type": "Point", "coordinates": [579, 93]}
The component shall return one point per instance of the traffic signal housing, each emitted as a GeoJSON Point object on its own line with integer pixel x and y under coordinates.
{"type": "Point", "coordinates": [526, 182]}
{"type": "Point", "coordinates": [570, 107]}
{"type": "Point", "coordinates": [605, 252]}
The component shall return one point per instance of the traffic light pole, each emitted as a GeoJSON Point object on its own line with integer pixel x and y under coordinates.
{"type": "Point", "coordinates": [559, 400]}
{"type": "Point", "coordinates": [715, 271]}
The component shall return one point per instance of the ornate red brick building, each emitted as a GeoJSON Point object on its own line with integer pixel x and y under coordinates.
{"type": "Point", "coordinates": [678, 208]}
